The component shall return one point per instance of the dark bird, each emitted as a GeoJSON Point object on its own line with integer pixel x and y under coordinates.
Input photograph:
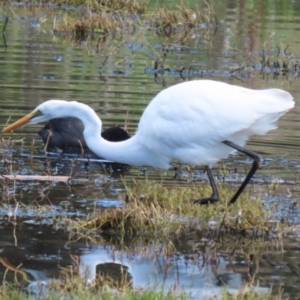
{"type": "Point", "coordinates": [67, 134]}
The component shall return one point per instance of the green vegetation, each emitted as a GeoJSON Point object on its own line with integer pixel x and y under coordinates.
{"type": "Point", "coordinates": [153, 209]}
{"type": "Point", "coordinates": [167, 19]}
{"type": "Point", "coordinates": [116, 16]}
{"type": "Point", "coordinates": [75, 290]}
{"type": "Point", "coordinates": [72, 287]}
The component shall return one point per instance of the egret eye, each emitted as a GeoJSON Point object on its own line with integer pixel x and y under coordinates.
{"type": "Point", "coordinates": [37, 113]}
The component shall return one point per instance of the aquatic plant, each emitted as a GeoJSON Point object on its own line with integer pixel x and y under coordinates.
{"type": "Point", "coordinates": [86, 26]}
{"type": "Point", "coordinates": [102, 17]}
{"type": "Point", "coordinates": [132, 6]}
{"type": "Point", "coordinates": [153, 209]}
{"type": "Point", "coordinates": [169, 21]}
{"type": "Point", "coordinates": [72, 287]}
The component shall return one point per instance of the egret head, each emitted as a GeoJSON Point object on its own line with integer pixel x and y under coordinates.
{"type": "Point", "coordinates": [44, 112]}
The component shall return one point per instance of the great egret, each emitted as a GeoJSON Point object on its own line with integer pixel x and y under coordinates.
{"type": "Point", "coordinates": [196, 122]}
{"type": "Point", "coordinates": [67, 134]}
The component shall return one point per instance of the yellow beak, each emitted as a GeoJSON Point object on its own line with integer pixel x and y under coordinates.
{"type": "Point", "coordinates": [19, 123]}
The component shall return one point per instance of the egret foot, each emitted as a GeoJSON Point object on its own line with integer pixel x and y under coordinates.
{"type": "Point", "coordinates": [205, 201]}
{"type": "Point", "coordinates": [215, 194]}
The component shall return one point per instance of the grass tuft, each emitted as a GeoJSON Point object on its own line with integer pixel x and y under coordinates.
{"type": "Point", "coordinates": [72, 287]}
{"type": "Point", "coordinates": [104, 17]}
{"type": "Point", "coordinates": [170, 20]}
{"type": "Point", "coordinates": [154, 209]}
{"type": "Point", "coordinates": [102, 23]}
{"type": "Point", "coordinates": [129, 6]}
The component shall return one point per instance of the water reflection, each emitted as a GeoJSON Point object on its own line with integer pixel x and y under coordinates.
{"type": "Point", "coordinates": [198, 265]}
{"type": "Point", "coordinates": [204, 278]}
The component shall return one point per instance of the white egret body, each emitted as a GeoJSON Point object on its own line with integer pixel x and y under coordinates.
{"type": "Point", "coordinates": [196, 122]}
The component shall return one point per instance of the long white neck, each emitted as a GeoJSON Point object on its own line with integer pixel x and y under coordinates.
{"type": "Point", "coordinates": [126, 152]}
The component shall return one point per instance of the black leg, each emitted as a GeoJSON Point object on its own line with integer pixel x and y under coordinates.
{"type": "Point", "coordinates": [215, 194]}
{"type": "Point", "coordinates": [256, 164]}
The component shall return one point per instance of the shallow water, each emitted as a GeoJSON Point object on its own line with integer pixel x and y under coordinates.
{"type": "Point", "coordinates": [116, 76]}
